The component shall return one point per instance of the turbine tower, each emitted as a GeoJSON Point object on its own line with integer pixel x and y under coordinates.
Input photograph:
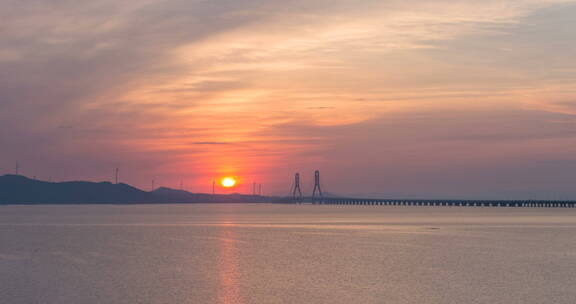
{"type": "Point", "coordinates": [297, 189]}
{"type": "Point", "coordinates": [317, 187]}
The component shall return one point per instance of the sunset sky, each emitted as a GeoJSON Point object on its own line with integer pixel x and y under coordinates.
{"type": "Point", "coordinates": [436, 98]}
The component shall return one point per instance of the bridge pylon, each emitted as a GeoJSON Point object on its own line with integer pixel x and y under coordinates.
{"type": "Point", "coordinates": [317, 188]}
{"type": "Point", "coordinates": [297, 192]}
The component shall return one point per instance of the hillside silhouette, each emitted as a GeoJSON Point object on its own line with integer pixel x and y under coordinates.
{"type": "Point", "coordinates": [17, 189]}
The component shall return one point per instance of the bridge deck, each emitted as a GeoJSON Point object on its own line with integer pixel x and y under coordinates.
{"type": "Point", "coordinates": [416, 202]}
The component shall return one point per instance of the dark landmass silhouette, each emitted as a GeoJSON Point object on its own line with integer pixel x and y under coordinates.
{"type": "Point", "coordinates": [17, 189]}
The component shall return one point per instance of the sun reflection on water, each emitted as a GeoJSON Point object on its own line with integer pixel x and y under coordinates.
{"type": "Point", "coordinates": [228, 290]}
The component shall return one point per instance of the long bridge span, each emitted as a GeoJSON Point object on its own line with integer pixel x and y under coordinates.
{"type": "Point", "coordinates": [318, 197]}
{"type": "Point", "coordinates": [428, 202]}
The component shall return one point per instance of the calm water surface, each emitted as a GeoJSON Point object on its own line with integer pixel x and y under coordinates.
{"type": "Point", "coordinates": [286, 254]}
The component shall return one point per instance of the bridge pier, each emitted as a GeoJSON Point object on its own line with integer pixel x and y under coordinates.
{"type": "Point", "coordinates": [456, 203]}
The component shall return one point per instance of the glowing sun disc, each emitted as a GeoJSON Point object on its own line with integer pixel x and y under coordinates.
{"type": "Point", "coordinates": [228, 182]}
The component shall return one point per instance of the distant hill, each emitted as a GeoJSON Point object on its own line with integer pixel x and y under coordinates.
{"type": "Point", "coordinates": [180, 196]}
{"type": "Point", "coordinates": [17, 189]}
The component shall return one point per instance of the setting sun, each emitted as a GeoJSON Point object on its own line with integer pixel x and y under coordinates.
{"type": "Point", "coordinates": [228, 182]}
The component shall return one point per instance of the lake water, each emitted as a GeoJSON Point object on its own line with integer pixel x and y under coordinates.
{"type": "Point", "coordinates": [252, 253]}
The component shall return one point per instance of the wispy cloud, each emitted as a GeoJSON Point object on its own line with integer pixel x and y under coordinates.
{"type": "Point", "coordinates": [221, 86]}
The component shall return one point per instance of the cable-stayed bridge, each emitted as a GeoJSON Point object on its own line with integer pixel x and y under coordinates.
{"type": "Point", "coordinates": [319, 197]}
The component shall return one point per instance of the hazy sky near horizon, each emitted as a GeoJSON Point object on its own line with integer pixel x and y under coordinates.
{"type": "Point", "coordinates": [430, 98]}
